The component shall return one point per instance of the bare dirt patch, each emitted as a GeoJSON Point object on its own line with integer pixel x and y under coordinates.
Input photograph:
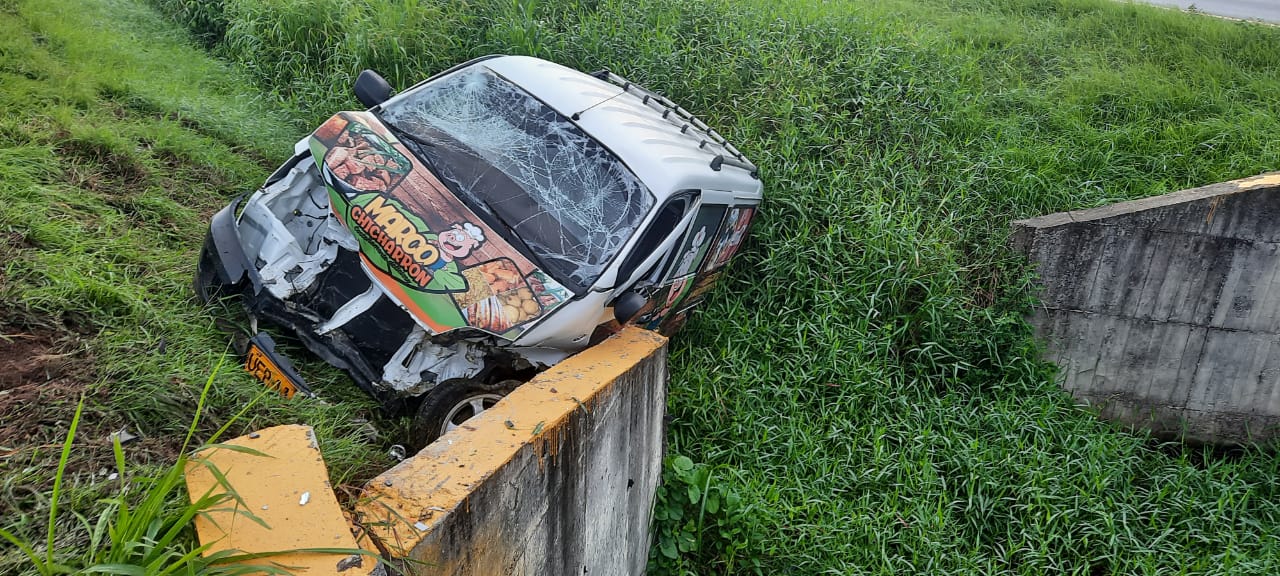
{"type": "Point", "coordinates": [29, 357]}
{"type": "Point", "coordinates": [45, 369]}
{"type": "Point", "coordinates": [12, 244]}
{"type": "Point", "coordinates": [43, 374]}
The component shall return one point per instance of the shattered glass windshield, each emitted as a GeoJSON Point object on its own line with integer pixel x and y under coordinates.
{"type": "Point", "coordinates": [516, 161]}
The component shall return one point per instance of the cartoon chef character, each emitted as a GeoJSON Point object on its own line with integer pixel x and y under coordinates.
{"type": "Point", "coordinates": [458, 241]}
{"type": "Point", "coordinates": [729, 240]}
{"type": "Point", "coordinates": [455, 243]}
{"type": "Point", "coordinates": [686, 261]}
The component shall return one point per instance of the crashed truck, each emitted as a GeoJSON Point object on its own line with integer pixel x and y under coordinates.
{"type": "Point", "coordinates": [454, 239]}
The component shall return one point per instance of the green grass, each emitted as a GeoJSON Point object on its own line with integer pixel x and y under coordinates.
{"type": "Point", "coordinates": [139, 530]}
{"type": "Point", "coordinates": [863, 380]}
{"type": "Point", "coordinates": [118, 140]}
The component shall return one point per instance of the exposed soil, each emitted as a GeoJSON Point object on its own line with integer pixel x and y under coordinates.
{"type": "Point", "coordinates": [11, 244]}
{"type": "Point", "coordinates": [44, 371]}
{"type": "Point", "coordinates": [99, 167]}
{"type": "Point", "coordinates": [42, 375]}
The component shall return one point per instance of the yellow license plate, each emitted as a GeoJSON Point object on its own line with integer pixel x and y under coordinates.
{"type": "Point", "coordinates": [262, 368]}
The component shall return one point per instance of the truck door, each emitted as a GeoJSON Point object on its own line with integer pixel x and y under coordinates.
{"type": "Point", "coordinates": [678, 276]}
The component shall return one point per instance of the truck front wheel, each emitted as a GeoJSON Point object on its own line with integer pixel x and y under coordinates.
{"type": "Point", "coordinates": [452, 402]}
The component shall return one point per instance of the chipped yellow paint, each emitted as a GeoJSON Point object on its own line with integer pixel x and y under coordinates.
{"type": "Point", "coordinates": [274, 488]}
{"type": "Point", "coordinates": [401, 507]}
{"type": "Point", "coordinates": [1272, 179]}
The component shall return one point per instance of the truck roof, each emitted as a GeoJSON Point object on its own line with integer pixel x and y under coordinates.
{"type": "Point", "coordinates": [664, 153]}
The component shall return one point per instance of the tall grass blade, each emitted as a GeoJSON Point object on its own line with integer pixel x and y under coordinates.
{"type": "Point", "coordinates": [57, 481]}
{"type": "Point", "coordinates": [41, 565]}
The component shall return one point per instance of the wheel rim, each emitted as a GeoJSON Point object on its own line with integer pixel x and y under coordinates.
{"type": "Point", "coordinates": [468, 408]}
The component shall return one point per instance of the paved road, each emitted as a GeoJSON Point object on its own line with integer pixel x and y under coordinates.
{"type": "Point", "coordinates": [1268, 10]}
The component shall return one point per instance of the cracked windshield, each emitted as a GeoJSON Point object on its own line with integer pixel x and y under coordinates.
{"type": "Point", "coordinates": [524, 166]}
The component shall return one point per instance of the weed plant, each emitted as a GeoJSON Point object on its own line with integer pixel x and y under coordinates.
{"type": "Point", "coordinates": [140, 532]}
{"type": "Point", "coordinates": [118, 141]}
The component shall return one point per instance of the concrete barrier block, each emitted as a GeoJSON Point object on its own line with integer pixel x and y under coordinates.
{"type": "Point", "coordinates": [557, 478]}
{"type": "Point", "coordinates": [286, 487]}
{"type": "Point", "coordinates": [1164, 312]}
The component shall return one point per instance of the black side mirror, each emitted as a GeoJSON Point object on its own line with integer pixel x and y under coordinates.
{"type": "Point", "coordinates": [371, 88]}
{"type": "Point", "coordinates": [627, 306]}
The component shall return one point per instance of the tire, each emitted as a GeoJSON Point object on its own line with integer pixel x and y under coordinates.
{"type": "Point", "coordinates": [452, 402]}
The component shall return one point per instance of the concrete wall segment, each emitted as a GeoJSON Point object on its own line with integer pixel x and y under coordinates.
{"type": "Point", "coordinates": [1164, 311]}
{"type": "Point", "coordinates": [559, 477]}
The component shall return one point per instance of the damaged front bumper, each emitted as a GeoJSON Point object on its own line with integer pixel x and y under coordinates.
{"type": "Point", "coordinates": [292, 265]}
{"type": "Point", "coordinates": [222, 263]}
{"type": "Point", "coordinates": [224, 270]}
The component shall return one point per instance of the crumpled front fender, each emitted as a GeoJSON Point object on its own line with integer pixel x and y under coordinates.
{"type": "Point", "coordinates": [223, 265]}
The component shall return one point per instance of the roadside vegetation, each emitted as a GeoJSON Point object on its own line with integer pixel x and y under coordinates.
{"type": "Point", "coordinates": [118, 140]}
{"type": "Point", "coordinates": [860, 395]}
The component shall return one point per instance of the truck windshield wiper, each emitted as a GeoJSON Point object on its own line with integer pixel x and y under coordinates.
{"type": "Point", "coordinates": [493, 216]}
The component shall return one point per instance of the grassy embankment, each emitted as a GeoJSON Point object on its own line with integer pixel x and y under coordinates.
{"type": "Point", "coordinates": [864, 379]}
{"type": "Point", "coordinates": [118, 140]}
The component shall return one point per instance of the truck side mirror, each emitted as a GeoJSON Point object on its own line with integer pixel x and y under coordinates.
{"type": "Point", "coordinates": [628, 305]}
{"type": "Point", "coordinates": [371, 88]}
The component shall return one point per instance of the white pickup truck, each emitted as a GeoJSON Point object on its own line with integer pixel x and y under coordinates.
{"type": "Point", "coordinates": [449, 242]}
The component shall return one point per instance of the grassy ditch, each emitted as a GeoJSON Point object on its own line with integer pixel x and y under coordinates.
{"type": "Point", "coordinates": [118, 140]}
{"type": "Point", "coordinates": [863, 389]}
{"type": "Point", "coordinates": [861, 394]}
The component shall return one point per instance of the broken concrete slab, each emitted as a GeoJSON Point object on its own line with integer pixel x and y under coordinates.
{"type": "Point", "coordinates": [284, 485]}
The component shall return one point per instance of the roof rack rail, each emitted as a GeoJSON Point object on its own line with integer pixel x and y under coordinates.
{"type": "Point", "coordinates": [678, 116]}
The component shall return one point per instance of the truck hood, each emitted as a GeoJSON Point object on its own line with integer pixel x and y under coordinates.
{"type": "Point", "coordinates": [419, 243]}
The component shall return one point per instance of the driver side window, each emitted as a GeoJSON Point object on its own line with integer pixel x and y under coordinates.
{"type": "Point", "coordinates": [668, 216]}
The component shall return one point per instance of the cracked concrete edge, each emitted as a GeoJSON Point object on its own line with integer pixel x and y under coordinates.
{"type": "Point", "coordinates": [1172, 421]}
{"type": "Point", "coordinates": [403, 506]}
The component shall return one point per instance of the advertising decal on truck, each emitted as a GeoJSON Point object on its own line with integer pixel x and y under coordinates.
{"type": "Point", "coordinates": [437, 258]}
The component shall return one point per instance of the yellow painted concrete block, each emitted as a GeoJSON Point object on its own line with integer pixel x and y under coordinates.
{"type": "Point", "coordinates": [404, 505]}
{"type": "Point", "coordinates": [288, 489]}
